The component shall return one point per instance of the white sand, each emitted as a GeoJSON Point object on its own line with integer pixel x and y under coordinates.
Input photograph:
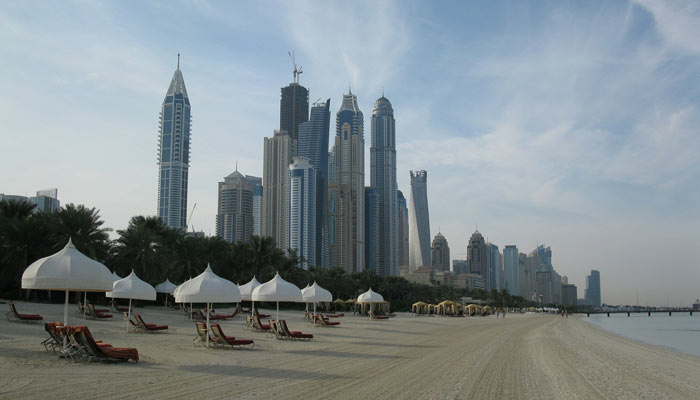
{"type": "Point", "coordinates": [521, 357]}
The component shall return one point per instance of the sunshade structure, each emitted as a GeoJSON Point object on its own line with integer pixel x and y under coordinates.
{"type": "Point", "coordinates": [370, 297]}
{"type": "Point", "coordinates": [132, 287]}
{"type": "Point", "coordinates": [166, 287]}
{"type": "Point", "coordinates": [419, 308]}
{"type": "Point", "coordinates": [67, 270]}
{"type": "Point", "coordinates": [247, 291]}
{"type": "Point", "coordinates": [316, 294]}
{"type": "Point", "coordinates": [207, 287]}
{"type": "Point", "coordinates": [115, 277]}
{"type": "Point", "coordinates": [277, 289]}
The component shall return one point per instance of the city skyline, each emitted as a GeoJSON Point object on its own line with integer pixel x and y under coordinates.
{"type": "Point", "coordinates": [576, 137]}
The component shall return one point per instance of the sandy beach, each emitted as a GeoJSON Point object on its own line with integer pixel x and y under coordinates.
{"type": "Point", "coordinates": [519, 357]}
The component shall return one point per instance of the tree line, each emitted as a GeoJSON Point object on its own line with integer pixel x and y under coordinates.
{"type": "Point", "coordinates": [156, 252]}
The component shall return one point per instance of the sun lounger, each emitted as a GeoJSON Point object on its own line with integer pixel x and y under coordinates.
{"type": "Point", "coordinates": [116, 307]}
{"type": "Point", "coordinates": [202, 334]}
{"type": "Point", "coordinates": [321, 320]}
{"type": "Point", "coordinates": [375, 316]}
{"type": "Point", "coordinates": [104, 351]}
{"type": "Point", "coordinates": [222, 339]}
{"type": "Point", "coordinates": [55, 339]}
{"type": "Point", "coordinates": [259, 326]}
{"type": "Point", "coordinates": [149, 327]}
{"type": "Point", "coordinates": [93, 313]}
{"type": "Point", "coordinates": [212, 317]}
{"type": "Point", "coordinates": [261, 315]}
{"type": "Point", "coordinates": [293, 334]}
{"type": "Point", "coordinates": [338, 315]}
{"type": "Point", "coordinates": [99, 310]}
{"type": "Point", "coordinates": [133, 323]}
{"type": "Point", "coordinates": [13, 314]}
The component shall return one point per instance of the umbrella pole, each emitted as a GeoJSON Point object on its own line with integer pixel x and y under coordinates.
{"type": "Point", "coordinates": [84, 305]}
{"type": "Point", "coordinates": [128, 316]}
{"type": "Point", "coordinates": [65, 321]}
{"type": "Point", "coordinates": [278, 310]}
{"type": "Point", "coordinates": [252, 309]}
{"type": "Point", "coordinates": [208, 328]}
{"type": "Point", "coordinates": [314, 313]}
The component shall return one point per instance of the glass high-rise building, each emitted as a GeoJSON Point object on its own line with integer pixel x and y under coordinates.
{"type": "Point", "coordinates": [440, 253]}
{"type": "Point", "coordinates": [235, 219]}
{"type": "Point", "coordinates": [372, 229]}
{"type": "Point", "coordinates": [174, 153]}
{"type": "Point", "coordinates": [592, 293]}
{"type": "Point", "coordinates": [294, 108]}
{"type": "Point", "coordinates": [402, 223]}
{"type": "Point", "coordinates": [419, 222]}
{"type": "Point", "coordinates": [511, 269]}
{"type": "Point", "coordinates": [383, 178]}
{"type": "Point", "coordinates": [256, 182]}
{"type": "Point", "coordinates": [301, 210]}
{"type": "Point", "coordinates": [278, 154]}
{"type": "Point", "coordinates": [313, 144]}
{"type": "Point", "coordinates": [346, 198]}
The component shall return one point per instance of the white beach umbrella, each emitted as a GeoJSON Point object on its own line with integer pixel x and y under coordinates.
{"type": "Point", "coordinates": [132, 287]}
{"type": "Point", "coordinates": [208, 287]}
{"type": "Point", "coordinates": [277, 289]}
{"type": "Point", "coordinates": [370, 297]}
{"type": "Point", "coordinates": [166, 287]}
{"type": "Point", "coordinates": [67, 270]}
{"type": "Point", "coordinates": [316, 294]}
{"type": "Point", "coordinates": [115, 277]}
{"type": "Point", "coordinates": [247, 291]}
{"type": "Point", "coordinates": [306, 303]}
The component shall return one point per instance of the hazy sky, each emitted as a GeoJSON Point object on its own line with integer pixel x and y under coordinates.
{"type": "Point", "coordinates": [573, 124]}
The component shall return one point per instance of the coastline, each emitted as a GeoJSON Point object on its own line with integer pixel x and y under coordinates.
{"type": "Point", "coordinates": [521, 357]}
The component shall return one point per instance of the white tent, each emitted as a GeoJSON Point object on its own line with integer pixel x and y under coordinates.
{"type": "Point", "coordinates": [316, 294]}
{"type": "Point", "coordinates": [247, 292]}
{"type": "Point", "coordinates": [207, 287]}
{"type": "Point", "coordinates": [115, 277]}
{"type": "Point", "coordinates": [306, 303]}
{"type": "Point", "coordinates": [67, 270]}
{"type": "Point", "coordinates": [370, 297]}
{"type": "Point", "coordinates": [132, 287]}
{"type": "Point", "coordinates": [166, 287]}
{"type": "Point", "coordinates": [277, 289]}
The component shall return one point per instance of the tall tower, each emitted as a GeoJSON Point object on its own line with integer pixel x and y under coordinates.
{"type": "Point", "coordinates": [174, 153]}
{"type": "Point", "coordinates": [294, 107]}
{"type": "Point", "coordinates": [440, 253]}
{"type": "Point", "coordinates": [346, 189]}
{"type": "Point", "coordinates": [511, 270]}
{"type": "Point", "coordinates": [235, 219]}
{"type": "Point", "coordinates": [313, 144]}
{"type": "Point", "coordinates": [419, 222]}
{"type": "Point", "coordinates": [278, 154]}
{"type": "Point", "coordinates": [256, 181]}
{"type": "Point", "coordinates": [301, 210]}
{"type": "Point", "coordinates": [592, 292]}
{"type": "Point", "coordinates": [372, 229]}
{"type": "Point", "coordinates": [477, 255]}
{"type": "Point", "coordinates": [383, 178]}
{"type": "Point", "coordinates": [402, 223]}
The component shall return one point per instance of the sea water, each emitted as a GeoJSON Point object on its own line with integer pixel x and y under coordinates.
{"type": "Point", "coordinates": [680, 331]}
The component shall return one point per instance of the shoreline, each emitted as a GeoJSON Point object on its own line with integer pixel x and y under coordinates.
{"type": "Point", "coordinates": [521, 357]}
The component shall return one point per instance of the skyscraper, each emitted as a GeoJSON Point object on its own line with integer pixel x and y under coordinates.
{"type": "Point", "coordinates": [174, 153]}
{"type": "Point", "coordinates": [279, 151]}
{"type": "Point", "coordinates": [402, 223]}
{"type": "Point", "coordinates": [46, 200]}
{"type": "Point", "coordinates": [440, 254]}
{"type": "Point", "coordinates": [256, 181]}
{"type": "Point", "coordinates": [511, 269]}
{"type": "Point", "coordinates": [477, 256]}
{"type": "Point", "coordinates": [494, 272]}
{"type": "Point", "coordinates": [346, 214]}
{"type": "Point", "coordinates": [419, 222]}
{"type": "Point", "coordinates": [313, 144]}
{"type": "Point", "coordinates": [301, 210]}
{"type": "Point", "coordinates": [235, 219]}
{"type": "Point", "coordinates": [294, 108]}
{"type": "Point", "coordinates": [592, 292]}
{"type": "Point", "coordinates": [372, 229]}
{"type": "Point", "coordinates": [383, 178]}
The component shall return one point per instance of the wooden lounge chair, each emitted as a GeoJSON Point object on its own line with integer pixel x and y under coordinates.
{"type": "Point", "coordinates": [212, 317]}
{"type": "Point", "coordinates": [55, 340]}
{"type": "Point", "coordinates": [337, 315]}
{"type": "Point", "coordinates": [93, 313]}
{"type": "Point", "coordinates": [259, 326]}
{"type": "Point", "coordinates": [375, 316]}
{"type": "Point", "coordinates": [324, 321]}
{"type": "Point", "coordinates": [117, 308]}
{"type": "Point", "coordinates": [133, 323]}
{"type": "Point", "coordinates": [202, 335]}
{"type": "Point", "coordinates": [150, 327]}
{"type": "Point", "coordinates": [222, 339]}
{"type": "Point", "coordinates": [13, 314]}
{"type": "Point", "coordinates": [293, 334]}
{"type": "Point", "coordinates": [99, 310]}
{"type": "Point", "coordinates": [257, 313]}
{"type": "Point", "coordinates": [104, 351]}
{"type": "Point", "coordinates": [309, 316]}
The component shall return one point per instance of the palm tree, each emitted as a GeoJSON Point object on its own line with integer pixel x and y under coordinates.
{"type": "Point", "coordinates": [142, 246]}
{"type": "Point", "coordinates": [84, 226]}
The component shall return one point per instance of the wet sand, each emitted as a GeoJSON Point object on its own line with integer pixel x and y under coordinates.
{"type": "Point", "coordinates": [519, 357]}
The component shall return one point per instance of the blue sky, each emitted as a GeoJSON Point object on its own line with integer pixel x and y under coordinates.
{"type": "Point", "coordinates": [573, 124]}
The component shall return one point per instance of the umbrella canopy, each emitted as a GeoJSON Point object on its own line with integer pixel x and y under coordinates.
{"type": "Point", "coordinates": [115, 277]}
{"type": "Point", "coordinates": [277, 289]}
{"type": "Point", "coordinates": [316, 294]}
{"type": "Point", "coordinates": [68, 269]}
{"type": "Point", "coordinates": [132, 287]}
{"type": "Point", "coordinates": [165, 287]}
{"type": "Point", "coordinates": [207, 287]}
{"type": "Point", "coordinates": [247, 289]}
{"type": "Point", "coordinates": [370, 297]}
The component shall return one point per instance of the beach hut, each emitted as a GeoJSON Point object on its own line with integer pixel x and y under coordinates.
{"type": "Point", "coordinates": [166, 287]}
{"type": "Point", "coordinates": [247, 292]}
{"type": "Point", "coordinates": [67, 270]}
{"type": "Point", "coordinates": [339, 302]}
{"type": "Point", "coordinates": [208, 288]}
{"type": "Point", "coordinates": [419, 307]}
{"type": "Point", "coordinates": [132, 287]}
{"type": "Point", "coordinates": [316, 294]}
{"type": "Point", "coordinates": [277, 289]}
{"type": "Point", "coordinates": [370, 297]}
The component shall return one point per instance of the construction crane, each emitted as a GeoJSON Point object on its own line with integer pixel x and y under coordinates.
{"type": "Point", "coordinates": [298, 71]}
{"type": "Point", "coordinates": [190, 218]}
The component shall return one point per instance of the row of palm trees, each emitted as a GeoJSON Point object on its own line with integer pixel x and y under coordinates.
{"type": "Point", "coordinates": [156, 252]}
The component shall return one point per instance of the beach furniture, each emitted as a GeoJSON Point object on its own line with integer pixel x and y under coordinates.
{"type": "Point", "coordinates": [257, 313]}
{"type": "Point", "coordinates": [336, 315]}
{"type": "Point", "coordinates": [149, 327]}
{"type": "Point", "coordinates": [99, 310]}
{"type": "Point", "coordinates": [94, 314]}
{"type": "Point", "coordinates": [259, 326]}
{"type": "Point", "coordinates": [202, 336]}
{"type": "Point", "coordinates": [131, 322]}
{"type": "Point", "coordinates": [297, 335]}
{"type": "Point", "coordinates": [103, 351]}
{"type": "Point", "coordinates": [118, 308]}
{"type": "Point", "coordinates": [212, 317]}
{"type": "Point", "coordinates": [323, 321]}
{"type": "Point", "coordinates": [13, 314]}
{"type": "Point", "coordinates": [231, 341]}
{"type": "Point", "coordinates": [55, 339]}
{"type": "Point", "coordinates": [375, 316]}
{"type": "Point", "coordinates": [277, 289]}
